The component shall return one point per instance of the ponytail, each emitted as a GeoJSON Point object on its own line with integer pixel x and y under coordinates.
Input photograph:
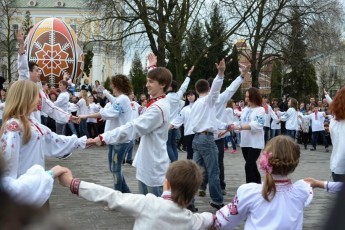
{"type": "Point", "coordinates": [269, 187]}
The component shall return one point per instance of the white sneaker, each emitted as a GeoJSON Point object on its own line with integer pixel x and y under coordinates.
{"type": "Point", "coordinates": [106, 208]}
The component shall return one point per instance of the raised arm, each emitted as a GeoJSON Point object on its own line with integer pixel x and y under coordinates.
{"type": "Point", "coordinates": [213, 95]}
{"type": "Point", "coordinates": [23, 67]}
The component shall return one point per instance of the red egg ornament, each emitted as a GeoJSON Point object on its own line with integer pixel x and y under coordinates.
{"type": "Point", "coordinates": [54, 47]}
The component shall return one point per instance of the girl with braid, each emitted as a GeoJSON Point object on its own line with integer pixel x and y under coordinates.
{"type": "Point", "coordinates": [277, 203]}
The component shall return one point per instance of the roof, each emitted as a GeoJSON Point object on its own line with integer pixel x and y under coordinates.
{"type": "Point", "coordinates": [49, 3]}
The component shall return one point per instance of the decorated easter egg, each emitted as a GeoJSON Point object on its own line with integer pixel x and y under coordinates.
{"type": "Point", "coordinates": [54, 47]}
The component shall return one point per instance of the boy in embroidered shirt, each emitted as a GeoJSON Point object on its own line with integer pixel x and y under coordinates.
{"type": "Point", "coordinates": [183, 179]}
{"type": "Point", "coordinates": [151, 160]}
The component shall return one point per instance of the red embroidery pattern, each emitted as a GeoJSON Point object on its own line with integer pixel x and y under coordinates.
{"type": "Point", "coordinates": [153, 100]}
{"type": "Point", "coordinates": [13, 126]}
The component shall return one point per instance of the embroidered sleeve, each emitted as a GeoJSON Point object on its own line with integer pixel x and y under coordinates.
{"type": "Point", "coordinates": [10, 146]}
{"type": "Point", "coordinates": [233, 213]}
{"type": "Point", "coordinates": [259, 120]}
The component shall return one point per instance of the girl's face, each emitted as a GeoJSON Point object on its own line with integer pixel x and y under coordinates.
{"type": "Point", "coordinates": [90, 99]}
{"type": "Point", "coordinates": [3, 93]}
{"type": "Point", "coordinates": [301, 105]}
{"type": "Point", "coordinates": [191, 97]}
{"type": "Point", "coordinates": [247, 99]}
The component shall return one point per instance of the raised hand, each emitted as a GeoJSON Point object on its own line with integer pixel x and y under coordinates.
{"type": "Point", "coordinates": [152, 58]}
{"type": "Point", "coordinates": [221, 67]}
{"type": "Point", "coordinates": [244, 69]}
{"type": "Point", "coordinates": [325, 92]}
{"type": "Point", "coordinates": [20, 39]}
{"type": "Point", "coordinates": [190, 71]}
{"type": "Point", "coordinates": [66, 178]}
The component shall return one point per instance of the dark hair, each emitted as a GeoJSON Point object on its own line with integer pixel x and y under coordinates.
{"type": "Point", "coordinates": [32, 65]}
{"type": "Point", "coordinates": [173, 86]}
{"type": "Point", "coordinates": [210, 81]}
{"type": "Point", "coordinates": [185, 178]}
{"type": "Point", "coordinates": [254, 96]}
{"type": "Point", "coordinates": [162, 75]}
{"type": "Point", "coordinates": [202, 86]}
{"type": "Point", "coordinates": [189, 93]}
{"type": "Point", "coordinates": [122, 83]}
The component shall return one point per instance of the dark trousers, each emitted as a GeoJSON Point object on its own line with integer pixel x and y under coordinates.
{"type": "Point", "coordinates": [189, 141]}
{"type": "Point", "coordinates": [338, 177]}
{"type": "Point", "coordinates": [220, 146]}
{"type": "Point", "coordinates": [251, 155]}
{"type": "Point", "coordinates": [315, 135]}
{"type": "Point", "coordinates": [267, 133]}
{"type": "Point", "coordinates": [305, 138]}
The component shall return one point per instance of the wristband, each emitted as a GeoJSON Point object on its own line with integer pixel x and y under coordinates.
{"type": "Point", "coordinates": [74, 186]}
{"type": "Point", "coordinates": [102, 139]}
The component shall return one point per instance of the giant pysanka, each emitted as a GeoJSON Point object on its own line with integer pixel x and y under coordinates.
{"type": "Point", "coordinates": [53, 45]}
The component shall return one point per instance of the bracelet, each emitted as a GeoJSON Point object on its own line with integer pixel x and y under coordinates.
{"type": "Point", "coordinates": [102, 139]}
{"type": "Point", "coordinates": [327, 186]}
{"type": "Point", "coordinates": [74, 186]}
{"type": "Point", "coordinates": [51, 173]}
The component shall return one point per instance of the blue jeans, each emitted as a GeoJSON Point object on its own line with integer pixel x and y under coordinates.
{"type": "Point", "coordinates": [206, 154]}
{"type": "Point", "coordinates": [130, 150]}
{"type": "Point", "coordinates": [60, 128]}
{"type": "Point", "coordinates": [230, 139]}
{"type": "Point", "coordinates": [291, 133]}
{"type": "Point", "coordinates": [144, 189]}
{"type": "Point", "coordinates": [315, 135]}
{"type": "Point", "coordinates": [83, 128]}
{"type": "Point", "coordinates": [238, 138]}
{"type": "Point", "coordinates": [115, 157]}
{"type": "Point", "coordinates": [72, 128]}
{"type": "Point", "coordinates": [275, 132]}
{"type": "Point", "coordinates": [171, 145]}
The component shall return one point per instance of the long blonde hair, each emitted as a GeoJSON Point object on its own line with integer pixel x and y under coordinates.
{"type": "Point", "coordinates": [284, 158]}
{"type": "Point", "coordinates": [83, 94]}
{"type": "Point", "coordinates": [21, 100]}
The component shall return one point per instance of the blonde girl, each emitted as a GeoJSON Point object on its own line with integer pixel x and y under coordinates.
{"type": "Point", "coordinates": [83, 109]}
{"type": "Point", "coordinates": [25, 143]}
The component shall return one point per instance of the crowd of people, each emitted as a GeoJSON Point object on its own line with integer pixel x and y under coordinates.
{"type": "Point", "coordinates": [39, 122]}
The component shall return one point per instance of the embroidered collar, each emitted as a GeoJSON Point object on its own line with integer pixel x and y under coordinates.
{"type": "Point", "coordinates": [280, 179]}
{"type": "Point", "coordinates": [166, 195]}
{"type": "Point", "coordinates": [153, 100]}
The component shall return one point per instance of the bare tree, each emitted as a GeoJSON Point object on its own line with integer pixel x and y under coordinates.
{"type": "Point", "coordinates": [267, 30]}
{"type": "Point", "coordinates": [162, 24]}
{"type": "Point", "coordinates": [8, 48]}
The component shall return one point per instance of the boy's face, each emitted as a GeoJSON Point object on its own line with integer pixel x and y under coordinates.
{"type": "Point", "coordinates": [154, 88]}
{"type": "Point", "coordinates": [35, 74]}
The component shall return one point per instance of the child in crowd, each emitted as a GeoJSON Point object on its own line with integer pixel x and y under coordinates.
{"type": "Point", "coordinates": [276, 124]}
{"type": "Point", "coordinates": [25, 143]}
{"type": "Point", "coordinates": [277, 203]}
{"type": "Point", "coordinates": [183, 179]}
{"type": "Point", "coordinates": [92, 126]}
